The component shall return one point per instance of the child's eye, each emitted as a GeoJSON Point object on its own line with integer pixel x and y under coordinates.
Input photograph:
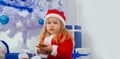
{"type": "Point", "coordinates": [55, 22]}
{"type": "Point", "coordinates": [48, 22]}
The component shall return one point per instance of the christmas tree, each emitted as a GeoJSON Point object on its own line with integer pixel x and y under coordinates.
{"type": "Point", "coordinates": [25, 16]}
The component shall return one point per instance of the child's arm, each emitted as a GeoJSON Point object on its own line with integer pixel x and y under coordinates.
{"type": "Point", "coordinates": [44, 49]}
{"type": "Point", "coordinates": [64, 49]}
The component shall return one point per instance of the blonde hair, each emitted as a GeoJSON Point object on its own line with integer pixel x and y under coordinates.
{"type": "Point", "coordinates": [66, 34]}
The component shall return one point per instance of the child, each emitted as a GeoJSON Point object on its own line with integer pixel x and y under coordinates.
{"type": "Point", "coordinates": [56, 41]}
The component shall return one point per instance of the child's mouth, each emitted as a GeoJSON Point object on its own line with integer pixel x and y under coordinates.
{"type": "Point", "coordinates": [51, 29]}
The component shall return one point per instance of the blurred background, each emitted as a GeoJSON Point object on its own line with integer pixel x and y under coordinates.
{"type": "Point", "coordinates": [99, 21]}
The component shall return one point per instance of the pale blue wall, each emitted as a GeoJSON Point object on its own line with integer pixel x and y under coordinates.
{"type": "Point", "coordinates": [100, 20]}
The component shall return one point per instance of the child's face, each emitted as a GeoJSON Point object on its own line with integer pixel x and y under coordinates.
{"type": "Point", "coordinates": [53, 25]}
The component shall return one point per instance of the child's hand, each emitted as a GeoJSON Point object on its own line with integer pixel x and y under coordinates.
{"type": "Point", "coordinates": [38, 51]}
{"type": "Point", "coordinates": [39, 48]}
{"type": "Point", "coordinates": [46, 50]}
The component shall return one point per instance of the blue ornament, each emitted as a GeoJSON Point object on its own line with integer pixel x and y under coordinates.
{"type": "Point", "coordinates": [41, 21]}
{"type": "Point", "coordinates": [4, 19]}
{"type": "Point", "coordinates": [24, 0]}
{"type": "Point", "coordinates": [11, 0]}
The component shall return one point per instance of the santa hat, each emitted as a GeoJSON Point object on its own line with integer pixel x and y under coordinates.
{"type": "Point", "coordinates": [56, 13]}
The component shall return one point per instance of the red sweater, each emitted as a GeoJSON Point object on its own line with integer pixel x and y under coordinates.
{"type": "Point", "coordinates": [64, 50]}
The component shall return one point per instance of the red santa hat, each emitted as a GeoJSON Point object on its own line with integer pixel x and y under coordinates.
{"type": "Point", "coordinates": [56, 13]}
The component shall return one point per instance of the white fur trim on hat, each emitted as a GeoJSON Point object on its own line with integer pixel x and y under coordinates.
{"type": "Point", "coordinates": [55, 15]}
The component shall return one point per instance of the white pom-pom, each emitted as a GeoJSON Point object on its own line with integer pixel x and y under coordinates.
{"type": "Point", "coordinates": [23, 56]}
{"type": "Point", "coordinates": [36, 57]}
